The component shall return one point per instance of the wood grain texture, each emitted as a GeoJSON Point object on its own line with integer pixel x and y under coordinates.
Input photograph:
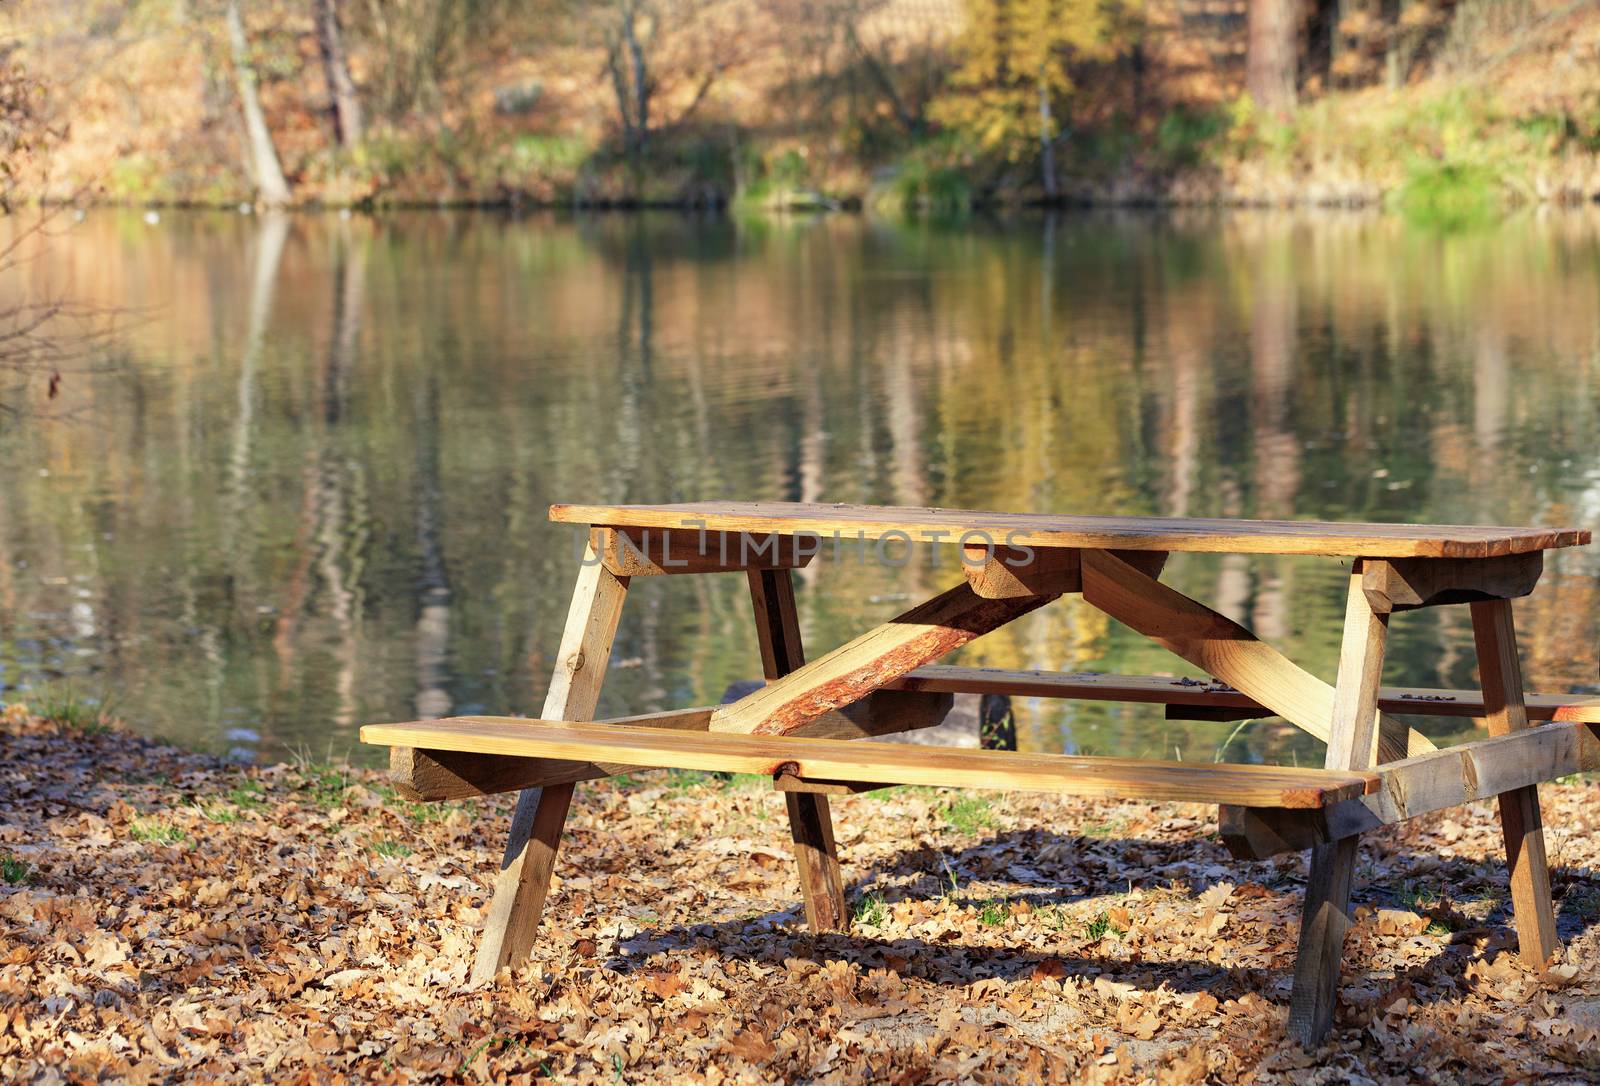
{"type": "Point", "coordinates": [450, 775]}
{"type": "Point", "coordinates": [1223, 648]}
{"type": "Point", "coordinates": [1047, 530]}
{"type": "Point", "coordinates": [656, 552]}
{"type": "Point", "coordinates": [1206, 692]}
{"type": "Point", "coordinates": [1422, 785]}
{"type": "Point", "coordinates": [879, 656]}
{"type": "Point", "coordinates": [1405, 584]}
{"type": "Point", "coordinates": [810, 817]}
{"type": "Point", "coordinates": [887, 763]}
{"type": "Point", "coordinates": [1352, 745]}
{"type": "Point", "coordinates": [1001, 573]}
{"type": "Point", "coordinates": [1521, 824]}
{"type": "Point", "coordinates": [524, 879]}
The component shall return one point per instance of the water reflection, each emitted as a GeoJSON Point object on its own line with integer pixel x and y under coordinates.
{"type": "Point", "coordinates": [311, 490]}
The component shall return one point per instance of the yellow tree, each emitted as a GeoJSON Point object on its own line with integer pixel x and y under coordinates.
{"type": "Point", "coordinates": [1016, 71]}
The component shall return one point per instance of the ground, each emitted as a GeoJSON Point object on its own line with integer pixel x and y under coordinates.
{"type": "Point", "coordinates": [166, 916]}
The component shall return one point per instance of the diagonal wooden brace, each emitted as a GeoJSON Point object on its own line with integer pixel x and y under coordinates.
{"type": "Point", "coordinates": [944, 623]}
{"type": "Point", "coordinates": [1227, 650]}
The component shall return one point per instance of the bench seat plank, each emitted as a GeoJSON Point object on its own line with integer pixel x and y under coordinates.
{"type": "Point", "coordinates": [1349, 539]}
{"type": "Point", "coordinates": [1206, 693]}
{"type": "Point", "coordinates": [880, 763]}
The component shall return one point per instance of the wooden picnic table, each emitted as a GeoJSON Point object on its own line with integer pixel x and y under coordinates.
{"type": "Point", "coordinates": [810, 727]}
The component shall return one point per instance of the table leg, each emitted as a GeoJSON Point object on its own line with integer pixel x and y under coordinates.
{"type": "Point", "coordinates": [810, 821]}
{"type": "Point", "coordinates": [1520, 823]}
{"type": "Point", "coordinates": [1352, 744]}
{"type": "Point", "coordinates": [524, 878]}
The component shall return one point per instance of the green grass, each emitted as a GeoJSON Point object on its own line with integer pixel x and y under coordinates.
{"type": "Point", "coordinates": [1450, 196]}
{"type": "Point", "coordinates": [248, 796]}
{"type": "Point", "coordinates": [68, 709]}
{"type": "Point", "coordinates": [993, 914]}
{"type": "Point", "coordinates": [391, 850]}
{"type": "Point", "coordinates": [156, 831]}
{"type": "Point", "coordinates": [220, 813]}
{"type": "Point", "coordinates": [14, 871]}
{"type": "Point", "coordinates": [1100, 927]}
{"type": "Point", "coordinates": [421, 813]}
{"type": "Point", "coordinates": [1109, 827]}
{"type": "Point", "coordinates": [968, 814]}
{"type": "Point", "coordinates": [871, 910]}
{"type": "Point", "coordinates": [325, 786]}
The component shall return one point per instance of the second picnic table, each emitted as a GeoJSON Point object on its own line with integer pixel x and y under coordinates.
{"type": "Point", "coordinates": [810, 726]}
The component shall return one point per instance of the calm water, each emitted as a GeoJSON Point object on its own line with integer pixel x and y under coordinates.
{"type": "Point", "coordinates": [305, 487]}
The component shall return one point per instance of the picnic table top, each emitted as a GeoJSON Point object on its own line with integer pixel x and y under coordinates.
{"type": "Point", "coordinates": [1340, 538]}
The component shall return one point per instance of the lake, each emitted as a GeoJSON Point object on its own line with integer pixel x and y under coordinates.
{"type": "Point", "coordinates": [298, 478]}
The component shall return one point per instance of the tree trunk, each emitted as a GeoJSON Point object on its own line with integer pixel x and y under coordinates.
{"type": "Point", "coordinates": [272, 189]}
{"type": "Point", "coordinates": [1271, 56]}
{"type": "Point", "coordinates": [1047, 141]}
{"type": "Point", "coordinates": [641, 80]}
{"type": "Point", "coordinates": [336, 69]}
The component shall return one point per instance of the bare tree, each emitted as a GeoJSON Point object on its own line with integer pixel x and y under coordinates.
{"type": "Point", "coordinates": [1272, 54]}
{"type": "Point", "coordinates": [272, 189]}
{"type": "Point", "coordinates": [39, 335]}
{"type": "Point", "coordinates": [346, 107]}
{"type": "Point", "coordinates": [680, 47]}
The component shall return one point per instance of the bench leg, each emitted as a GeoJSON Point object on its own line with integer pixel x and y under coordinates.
{"type": "Point", "coordinates": [524, 879]}
{"type": "Point", "coordinates": [1501, 676]}
{"type": "Point", "coordinates": [810, 821]}
{"type": "Point", "coordinates": [1352, 744]}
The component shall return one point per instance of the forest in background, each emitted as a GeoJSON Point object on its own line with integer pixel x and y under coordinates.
{"type": "Point", "coordinates": [1449, 108]}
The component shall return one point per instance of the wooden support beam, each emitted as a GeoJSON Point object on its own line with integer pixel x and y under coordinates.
{"type": "Point", "coordinates": [1352, 745]}
{"type": "Point", "coordinates": [1181, 692]}
{"type": "Point", "coordinates": [1223, 648]}
{"type": "Point", "coordinates": [1003, 573]}
{"type": "Point", "coordinates": [1405, 584]}
{"type": "Point", "coordinates": [655, 552]}
{"type": "Point", "coordinates": [788, 782]}
{"type": "Point", "coordinates": [524, 879]}
{"type": "Point", "coordinates": [1520, 821]}
{"type": "Point", "coordinates": [810, 819]}
{"type": "Point", "coordinates": [1417, 786]}
{"type": "Point", "coordinates": [944, 623]}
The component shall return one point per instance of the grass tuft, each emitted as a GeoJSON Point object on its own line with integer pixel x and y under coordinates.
{"type": "Point", "coordinates": [870, 910]}
{"type": "Point", "coordinates": [968, 814]}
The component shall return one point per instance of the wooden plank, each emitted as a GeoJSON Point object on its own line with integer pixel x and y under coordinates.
{"type": "Point", "coordinates": [852, 522]}
{"type": "Point", "coordinates": [924, 633]}
{"type": "Point", "coordinates": [810, 819]}
{"type": "Point", "coordinates": [524, 878]}
{"type": "Point", "coordinates": [1003, 573]}
{"type": "Point", "coordinates": [1422, 785]}
{"type": "Point", "coordinates": [887, 763]}
{"type": "Point", "coordinates": [655, 552]}
{"type": "Point", "coordinates": [1405, 584]}
{"type": "Point", "coordinates": [1208, 693]}
{"type": "Point", "coordinates": [1223, 648]}
{"type": "Point", "coordinates": [450, 775]}
{"type": "Point", "coordinates": [1520, 822]}
{"type": "Point", "coordinates": [1352, 745]}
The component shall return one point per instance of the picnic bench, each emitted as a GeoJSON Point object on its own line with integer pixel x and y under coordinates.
{"type": "Point", "coordinates": [811, 726]}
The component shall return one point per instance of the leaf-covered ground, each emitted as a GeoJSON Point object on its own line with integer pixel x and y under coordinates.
{"type": "Point", "coordinates": [168, 917]}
